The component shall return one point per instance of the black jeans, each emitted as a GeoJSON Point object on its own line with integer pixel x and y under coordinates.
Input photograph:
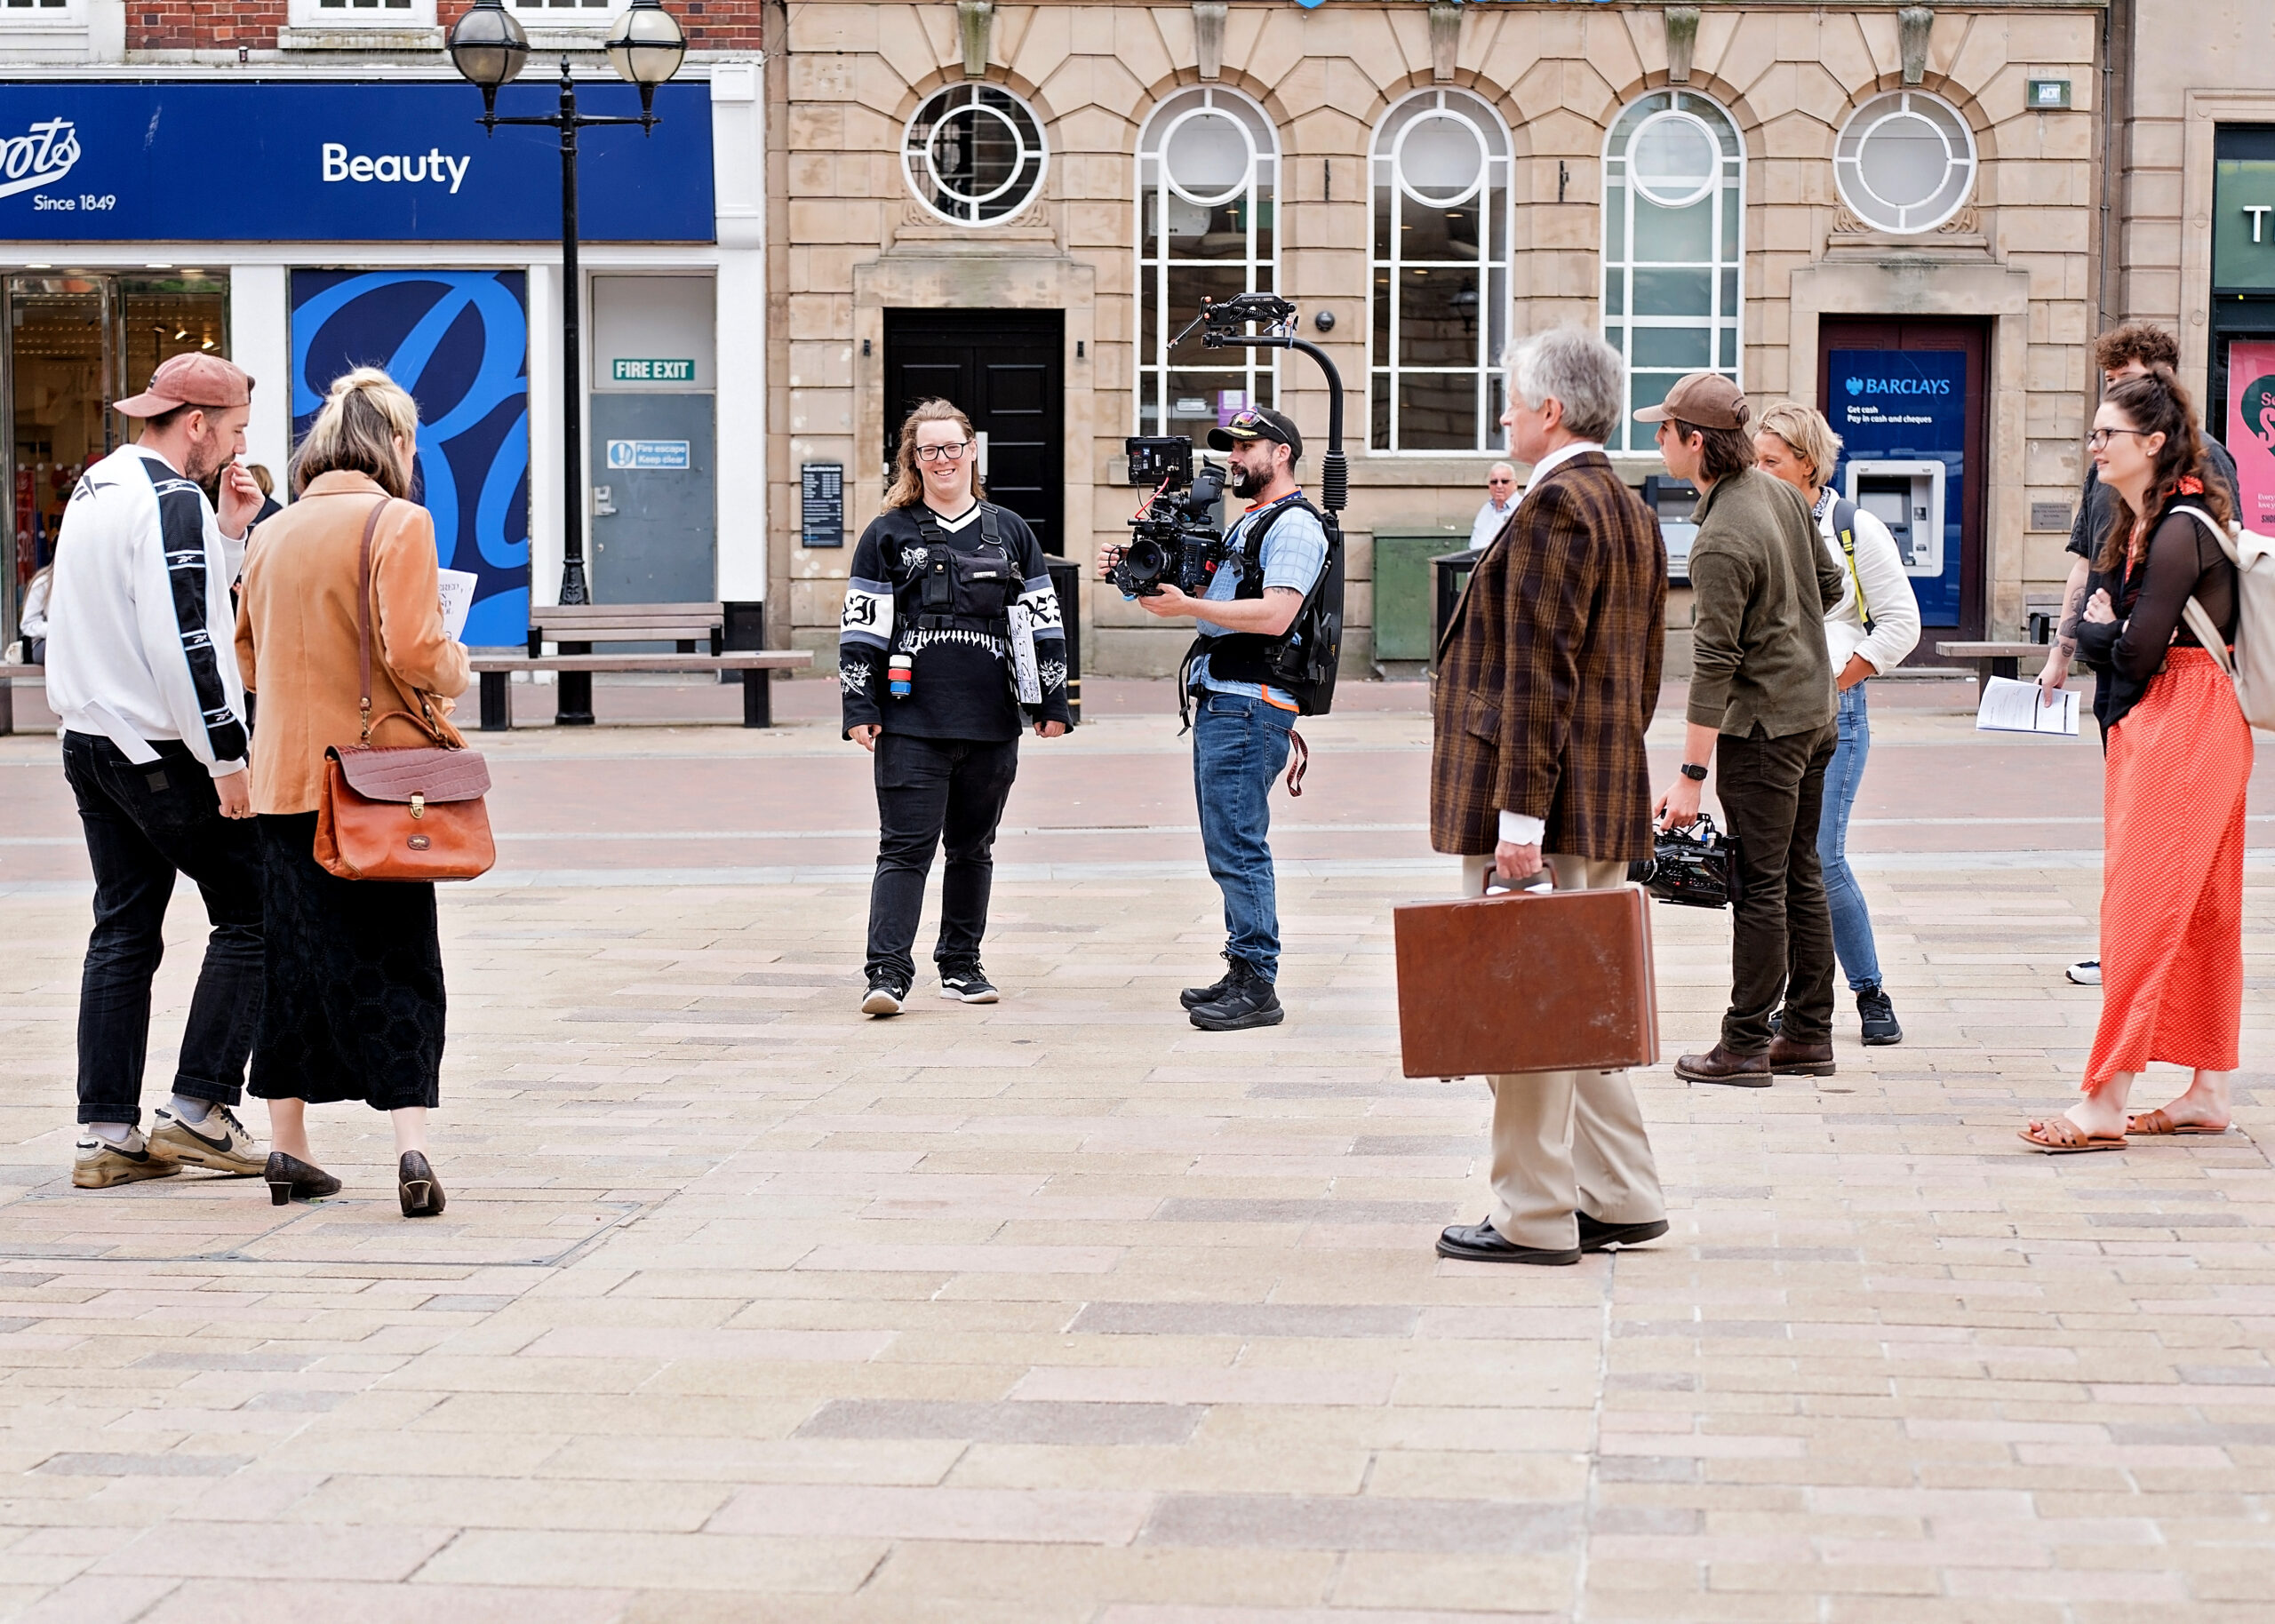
{"type": "Point", "coordinates": [928, 788]}
{"type": "Point", "coordinates": [1781, 942]}
{"type": "Point", "coordinates": [144, 824]}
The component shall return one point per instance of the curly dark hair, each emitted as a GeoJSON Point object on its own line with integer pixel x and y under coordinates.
{"type": "Point", "coordinates": [2159, 404]}
{"type": "Point", "coordinates": [2143, 341]}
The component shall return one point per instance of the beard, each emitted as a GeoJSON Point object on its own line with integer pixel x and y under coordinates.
{"type": "Point", "coordinates": [205, 458]}
{"type": "Point", "coordinates": [1245, 480]}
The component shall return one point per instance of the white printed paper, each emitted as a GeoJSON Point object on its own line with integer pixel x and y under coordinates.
{"type": "Point", "coordinates": [2010, 706]}
{"type": "Point", "coordinates": [1024, 675]}
{"type": "Point", "coordinates": [457, 599]}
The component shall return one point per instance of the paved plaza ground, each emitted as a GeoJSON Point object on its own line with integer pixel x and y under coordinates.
{"type": "Point", "coordinates": [748, 1308]}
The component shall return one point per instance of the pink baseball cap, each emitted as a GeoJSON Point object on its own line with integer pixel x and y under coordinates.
{"type": "Point", "coordinates": [195, 380]}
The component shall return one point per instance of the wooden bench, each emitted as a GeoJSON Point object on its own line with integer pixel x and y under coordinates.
{"type": "Point", "coordinates": [698, 631]}
{"type": "Point", "coordinates": [8, 674]}
{"type": "Point", "coordinates": [1994, 659]}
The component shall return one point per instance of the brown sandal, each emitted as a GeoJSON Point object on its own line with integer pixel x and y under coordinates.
{"type": "Point", "coordinates": [2060, 1136]}
{"type": "Point", "coordinates": [2158, 1124]}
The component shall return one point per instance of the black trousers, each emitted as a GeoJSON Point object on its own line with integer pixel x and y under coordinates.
{"type": "Point", "coordinates": [144, 824]}
{"type": "Point", "coordinates": [1772, 792]}
{"type": "Point", "coordinates": [927, 790]}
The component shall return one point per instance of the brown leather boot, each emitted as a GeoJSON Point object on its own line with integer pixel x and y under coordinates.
{"type": "Point", "coordinates": [1719, 1065]}
{"type": "Point", "coordinates": [1790, 1059]}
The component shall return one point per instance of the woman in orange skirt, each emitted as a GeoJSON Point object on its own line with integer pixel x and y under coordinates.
{"type": "Point", "coordinates": [2179, 759]}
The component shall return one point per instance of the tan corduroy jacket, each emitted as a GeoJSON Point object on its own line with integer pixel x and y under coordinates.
{"type": "Point", "coordinates": [297, 641]}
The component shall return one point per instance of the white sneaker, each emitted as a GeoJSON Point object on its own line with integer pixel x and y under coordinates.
{"type": "Point", "coordinates": [2086, 972]}
{"type": "Point", "coordinates": [218, 1141]}
{"type": "Point", "coordinates": [99, 1164]}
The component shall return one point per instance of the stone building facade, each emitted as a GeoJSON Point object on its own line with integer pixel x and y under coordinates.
{"type": "Point", "coordinates": [1698, 182]}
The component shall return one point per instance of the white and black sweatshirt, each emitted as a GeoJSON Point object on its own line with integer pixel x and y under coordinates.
{"type": "Point", "coordinates": [962, 664]}
{"type": "Point", "coordinates": [140, 633]}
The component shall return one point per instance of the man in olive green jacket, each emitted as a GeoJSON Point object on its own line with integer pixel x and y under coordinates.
{"type": "Point", "coordinates": [1762, 699]}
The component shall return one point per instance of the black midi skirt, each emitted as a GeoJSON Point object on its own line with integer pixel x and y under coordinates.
{"type": "Point", "coordinates": [352, 1001]}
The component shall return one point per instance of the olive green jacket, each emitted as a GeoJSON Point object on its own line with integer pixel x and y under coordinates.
{"type": "Point", "coordinates": [1761, 582]}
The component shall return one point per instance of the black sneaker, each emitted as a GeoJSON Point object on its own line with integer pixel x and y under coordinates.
{"type": "Point", "coordinates": [885, 998]}
{"type": "Point", "coordinates": [1193, 997]}
{"type": "Point", "coordinates": [968, 985]}
{"type": "Point", "coordinates": [1248, 1001]}
{"type": "Point", "coordinates": [1878, 1016]}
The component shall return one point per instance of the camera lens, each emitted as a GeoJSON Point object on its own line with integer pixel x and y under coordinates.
{"type": "Point", "coordinates": [1145, 560]}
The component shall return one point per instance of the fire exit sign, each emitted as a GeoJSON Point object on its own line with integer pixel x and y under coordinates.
{"type": "Point", "coordinates": [628, 370]}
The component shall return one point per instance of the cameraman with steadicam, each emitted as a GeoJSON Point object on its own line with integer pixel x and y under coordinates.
{"type": "Point", "coordinates": [1274, 554]}
{"type": "Point", "coordinates": [951, 630]}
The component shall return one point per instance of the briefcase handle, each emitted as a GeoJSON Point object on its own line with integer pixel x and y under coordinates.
{"type": "Point", "coordinates": [1542, 884]}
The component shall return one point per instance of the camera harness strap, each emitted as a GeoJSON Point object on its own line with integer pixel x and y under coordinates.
{"type": "Point", "coordinates": [1299, 753]}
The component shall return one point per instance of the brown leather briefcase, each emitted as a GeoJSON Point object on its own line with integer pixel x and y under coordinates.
{"type": "Point", "coordinates": [1549, 980]}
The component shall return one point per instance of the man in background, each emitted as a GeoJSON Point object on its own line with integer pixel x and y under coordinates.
{"type": "Point", "coordinates": [1500, 502]}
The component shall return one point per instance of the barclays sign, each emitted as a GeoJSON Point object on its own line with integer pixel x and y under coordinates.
{"type": "Point", "coordinates": [1899, 385]}
{"type": "Point", "coordinates": [309, 162]}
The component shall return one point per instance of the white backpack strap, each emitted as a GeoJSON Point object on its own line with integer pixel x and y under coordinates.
{"type": "Point", "coordinates": [2199, 621]}
{"type": "Point", "coordinates": [2227, 543]}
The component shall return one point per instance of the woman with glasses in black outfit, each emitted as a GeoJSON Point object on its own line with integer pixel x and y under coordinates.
{"type": "Point", "coordinates": [949, 617]}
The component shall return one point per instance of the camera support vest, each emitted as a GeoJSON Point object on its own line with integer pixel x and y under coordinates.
{"type": "Point", "coordinates": [1302, 661]}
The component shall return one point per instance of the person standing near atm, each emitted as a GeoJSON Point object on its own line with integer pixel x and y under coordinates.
{"type": "Point", "coordinates": [951, 630]}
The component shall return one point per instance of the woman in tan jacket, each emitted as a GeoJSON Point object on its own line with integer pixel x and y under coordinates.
{"type": "Point", "coordinates": [354, 1000]}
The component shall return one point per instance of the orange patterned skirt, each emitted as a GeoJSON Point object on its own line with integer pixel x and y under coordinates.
{"type": "Point", "coordinates": [2172, 886]}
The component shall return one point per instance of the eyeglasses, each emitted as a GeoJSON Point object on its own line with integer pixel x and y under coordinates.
{"type": "Point", "coordinates": [953, 451]}
{"type": "Point", "coordinates": [1497, 484]}
{"type": "Point", "coordinates": [2099, 438]}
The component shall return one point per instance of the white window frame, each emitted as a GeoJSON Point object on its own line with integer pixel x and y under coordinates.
{"type": "Point", "coordinates": [1848, 152]}
{"type": "Point", "coordinates": [1728, 189]}
{"type": "Point", "coordinates": [1492, 266]}
{"type": "Point", "coordinates": [1041, 152]}
{"type": "Point", "coordinates": [310, 14]}
{"type": "Point", "coordinates": [550, 16]}
{"type": "Point", "coordinates": [71, 15]}
{"type": "Point", "coordinates": [1258, 189]}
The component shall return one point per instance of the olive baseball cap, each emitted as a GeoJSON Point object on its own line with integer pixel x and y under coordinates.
{"type": "Point", "coordinates": [1703, 399]}
{"type": "Point", "coordinates": [195, 380]}
{"type": "Point", "coordinates": [1258, 423]}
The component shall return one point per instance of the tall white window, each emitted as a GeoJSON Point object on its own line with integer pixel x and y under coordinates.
{"type": "Point", "coordinates": [1673, 214]}
{"type": "Point", "coordinates": [40, 11]}
{"type": "Point", "coordinates": [1440, 169]}
{"type": "Point", "coordinates": [379, 13]}
{"type": "Point", "coordinates": [566, 13]}
{"type": "Point", "coordinates": [1208, 166]}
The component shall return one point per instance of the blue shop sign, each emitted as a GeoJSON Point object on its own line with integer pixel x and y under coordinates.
{"type": "Point", "coordinates": [1902, 413]}
{"type": "Point", "coordinates": [266, 161]}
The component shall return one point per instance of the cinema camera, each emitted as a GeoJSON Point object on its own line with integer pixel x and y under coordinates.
{"type": "Point", "coordinates": [1696, 867]}
{"type": "Point", "coordinates": [1175, 537]}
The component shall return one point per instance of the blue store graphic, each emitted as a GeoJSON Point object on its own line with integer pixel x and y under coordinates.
{"type": "Point", "coordinates": [1901, 417]}
{"type": "Point", "coordinates": [459, 341]}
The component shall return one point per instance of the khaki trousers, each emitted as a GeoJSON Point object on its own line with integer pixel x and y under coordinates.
{"type": "Point", "coordinates": [1567, 1141]}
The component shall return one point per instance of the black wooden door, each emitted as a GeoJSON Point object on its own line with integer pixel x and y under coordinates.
{"type": "Point", "coordinates": [1005, 368]}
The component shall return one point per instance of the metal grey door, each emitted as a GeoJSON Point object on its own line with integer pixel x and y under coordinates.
{"type": "Point", "coordinates": [655, 478]}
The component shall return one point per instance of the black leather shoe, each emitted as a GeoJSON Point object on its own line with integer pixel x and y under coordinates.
{"type": "Point", "coordinates": [1193, 997]}
{"type": "Point", "coordinates": [1788, 1058]}
{"type": "Point", "coordinates": [288, 1176]}
{"type": "Point", "coordinates": [1877, 1011]}
{"type": "Point", "coordinates": [1597, 1236]}
{"type": "Point", "coordinates": [1481, 1243]}
{"type": "Point", "coordinates": [416, 1184]}
{"type": "Point", "coordinates": [1249, 1001]}
{"type": "Point", "coordinates": [1719, 1065]}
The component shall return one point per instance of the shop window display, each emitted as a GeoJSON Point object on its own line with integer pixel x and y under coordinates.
{"type": "Point", "coordinates": [1674, 230]}
{"type": "Point", "coordinates": [1208, 169]}
{"type": "Point", "coordinates": [1439, 168]}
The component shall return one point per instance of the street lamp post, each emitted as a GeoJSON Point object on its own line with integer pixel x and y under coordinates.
{"type": "Point", "coordinates": [489, 49]}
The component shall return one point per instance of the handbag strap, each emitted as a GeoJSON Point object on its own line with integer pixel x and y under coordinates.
{"type": "Point", "coordinates": [363, 641]}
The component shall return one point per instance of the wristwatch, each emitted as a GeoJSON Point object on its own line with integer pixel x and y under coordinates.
{"type": "Point", "coordinates": [1691, 769]}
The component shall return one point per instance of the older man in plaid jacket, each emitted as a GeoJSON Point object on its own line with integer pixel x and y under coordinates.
{"type": "Point", "coordinates": [1546, 680]}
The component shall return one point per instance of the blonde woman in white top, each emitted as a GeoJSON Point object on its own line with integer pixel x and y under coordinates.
{"type": "Point", "coordinates": [1869, 630]}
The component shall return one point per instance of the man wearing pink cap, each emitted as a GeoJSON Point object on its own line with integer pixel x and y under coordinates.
{"type": "Point", "coordinates": [155, 742]}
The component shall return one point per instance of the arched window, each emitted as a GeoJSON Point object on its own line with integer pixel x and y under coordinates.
{"type": "Point", "coordinates": [1208, 167]}
{"type": "Point", "coordinates": [1673, 217]}
{"type": "Point", "coordinates": [1440, 277]}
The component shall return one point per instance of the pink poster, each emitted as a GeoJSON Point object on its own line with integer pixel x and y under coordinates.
{"type": "Point", "coordinates": [2251, 431]}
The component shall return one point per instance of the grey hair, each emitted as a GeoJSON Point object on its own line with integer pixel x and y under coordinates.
{"type": "Point", "coordinates": [1572, 365]}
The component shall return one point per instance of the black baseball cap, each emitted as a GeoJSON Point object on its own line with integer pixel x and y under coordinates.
{"type": "Point", "coordinates": [1258, 423]}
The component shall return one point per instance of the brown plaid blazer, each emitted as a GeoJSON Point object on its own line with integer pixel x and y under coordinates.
{"type": "Point", "coordinates": [1549, 673]}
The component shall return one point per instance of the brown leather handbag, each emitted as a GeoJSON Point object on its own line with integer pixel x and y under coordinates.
{"type": "Point", "coordinates": [412, 813]}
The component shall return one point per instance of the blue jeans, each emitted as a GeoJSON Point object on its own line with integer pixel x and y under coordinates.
{"type": "Point", "coordinates": [1239, 746]}
{"type": "Point", "coordinates": [1852, 921]}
